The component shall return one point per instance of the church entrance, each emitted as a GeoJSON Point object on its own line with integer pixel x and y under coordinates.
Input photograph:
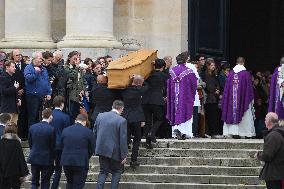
{"type": "Point", "coordinates": [226, 29]}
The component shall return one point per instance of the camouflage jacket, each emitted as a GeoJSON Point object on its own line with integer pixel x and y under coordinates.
{"type": "Point", "coordinates": [75, 83]}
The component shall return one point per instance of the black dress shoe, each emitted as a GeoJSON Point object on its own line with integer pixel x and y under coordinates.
{"type": "Point", "coordinates": [149, 146]}
{"type": "Point", "coordinates": [134, 164]}
{"type": "Point", "coordinates": [178, 134]}
{"type": "Point", "coordinates": [151, 137]}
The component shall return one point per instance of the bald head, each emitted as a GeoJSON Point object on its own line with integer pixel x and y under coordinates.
{"type": "Point", "coordinates": [271, 120]}
{"type": "Point", "coordinates": [168, 60]}
{"type": "Point", "coordinates": [57, 56]}
{"type": "Point", "coordinates": [102, 79]}
{"type": "Point", "coordinates": [16, 55]}
{"type": "Point", "coordinates": [137, 80]}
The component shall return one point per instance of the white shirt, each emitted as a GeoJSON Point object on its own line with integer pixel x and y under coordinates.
{"type": "Point", "coordinates": [238, 68]}
{"type": "Point", "coordinates": [194, 69]}
{"type": "Point", "coordinates": [114, 110]}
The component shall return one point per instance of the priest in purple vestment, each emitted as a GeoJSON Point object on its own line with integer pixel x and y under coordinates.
{"type": "Point", "coordinates": [237, 103]}
{"type": "Point", "coordinates": [181, 90]}
{"type": "Point", "coordinates": [275, 104]}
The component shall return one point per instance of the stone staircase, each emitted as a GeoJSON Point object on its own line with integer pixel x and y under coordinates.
{"type": "Point", "coordinates": [190, 164]}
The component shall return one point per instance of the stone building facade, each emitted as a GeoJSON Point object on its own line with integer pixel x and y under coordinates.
{"type": "Point", "coordinates": [96, 27]}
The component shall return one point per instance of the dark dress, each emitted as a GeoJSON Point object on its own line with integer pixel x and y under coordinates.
{"type": "Point", "coordinates": [12, 162]}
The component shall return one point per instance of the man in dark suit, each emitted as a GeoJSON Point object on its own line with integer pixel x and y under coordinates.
{"type": "Point", "coordinates": [4, 120]}
{"type": "Point", "coordinates": [42, 145]}
{"type": "Point", "coordinates": [111, 144]}
{"type": "Point", "coordinates": [59, 122]}
{"type": "Point", "coordinates": [133, 113]}
{"type": "Point", "coordinates": [153, 101]}
{"type": "Point", "coordinates": [19, 77]}
{"type": "Point", "coordinates": [9, 96]}
{"type": "Point", "coordinates": [102, 96]}
{"type": "Point", "coordinates": [78, 147]}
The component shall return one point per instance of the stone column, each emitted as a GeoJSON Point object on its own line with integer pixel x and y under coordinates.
{"type": "Point", "coordinates": [89, 24]}
{"type": "Point", "coordinates": [27, 24]}
{"type": "Point", "coordinates": [2, 19]}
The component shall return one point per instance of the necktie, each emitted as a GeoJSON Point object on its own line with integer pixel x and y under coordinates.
{"type": "Point", "coordinates": [19, 66]}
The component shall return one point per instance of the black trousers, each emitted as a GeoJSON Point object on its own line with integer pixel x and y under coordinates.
{"type": "Point", "coordinates": [274, 184]}
{"type": "Point", "coordinates": [41, 175]}
{"type": "Point", "coordinates": [23, 127]}
{"type": "Point", "coordinates": [154, 118]}
{"type": "Point", "coordinates": [212, 118]}
{"type": "Point", "coordinates": [135, 130]}
{"type": "Point", "coordinates": [195, 123]}
{"type": "Point", "coordinates": [10, 183]}
{"type": "Point", "coordinates": [33, 108]}
{"type": "Point", "coordinates": [57, 170]}
{"type": "Point", "coordinates": [75, 176]}
{"type": "Point", "coordinates": [165, 130]}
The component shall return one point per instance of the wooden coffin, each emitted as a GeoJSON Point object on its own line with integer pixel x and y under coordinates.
{"type": "Point", "coordinates": [120, 71]}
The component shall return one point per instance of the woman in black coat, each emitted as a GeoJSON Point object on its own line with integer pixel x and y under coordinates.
{"type": "Point", "coordinates": [13, 166]}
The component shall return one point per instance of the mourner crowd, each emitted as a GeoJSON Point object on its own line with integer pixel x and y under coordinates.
{"type": "Point", "coordinates": [67, 113]}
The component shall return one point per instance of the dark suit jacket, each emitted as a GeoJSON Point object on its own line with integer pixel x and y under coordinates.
{"type": "Point", "coordinates": [42, 144]}
{"type": "Point", "coordinates": [78, 146]}
{"type": "Point", "coordinates": [111, 136]}
{"type": "Point", "coordinates": [103, 99]}
{"type": "Point", "coordinates": [19, 75]}
{"type": "Point", "coordinates": [8, 94]}
{"type": "Point", "coordinates": [60, 121]}
{"type": "Point", "coordinates": [12, 159]}
{"type": "Point", "coordinates": [156, 92]}
{"type": "Point", "coordinates": [133, 111]}
{"type": "Point", "coordinates": [2, 127]}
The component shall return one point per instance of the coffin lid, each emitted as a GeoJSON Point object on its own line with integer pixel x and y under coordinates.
{"type": "Point", "coordinates": [132, 59]}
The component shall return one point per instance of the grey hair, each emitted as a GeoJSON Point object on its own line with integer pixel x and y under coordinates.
{"type": "Point", "coordinates": [273, 118]}
{"type": "Point", "coordinates": [58, 52]}
{"type": "Point", "coordinates": [167, 58]}
{"type": "Point", "coordinates": [137, 78]}
{"type": "Point", "coordinates": [35, 54]}
{"type": "Point", "coordinates": [117, 104]}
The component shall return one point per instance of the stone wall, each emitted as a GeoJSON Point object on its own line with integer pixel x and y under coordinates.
{"type": "Point", "coordinates": [156, 24]}
{"type": "Point", "coordinates": [2, 18]}
{"type": "Point", "coordinates": [58, 23]}
{"type": "Point", "coordinates": [153, 24]}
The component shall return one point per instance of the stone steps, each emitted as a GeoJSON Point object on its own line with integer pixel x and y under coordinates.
{"type": "Point", "coordinates": [146, 185]}
{"type": "Point", "coordinates": [190, 164]}
{"type": "Point", "coordinates": [173, 152]}
{"type": "Point", "coordinates": [188, 161]}
{"type": "Point", "coordinates": [179, 178]}
{"type": "Point", "coordinates": [202, 143]}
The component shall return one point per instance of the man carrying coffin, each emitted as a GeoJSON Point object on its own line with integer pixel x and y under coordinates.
{"type": "Point", "coordinates": [181, 89]}
{"type": "Point", "coordinates": [276, 85]}
{"type": "Point", "coordinates": [237, 102]}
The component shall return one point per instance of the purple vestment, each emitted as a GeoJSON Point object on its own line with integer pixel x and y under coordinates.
{"type": "Point", "coordinates": [181, 86]}
{"type": "Point", "coordinates": [275, 104]}
{"type": "Point", "coordinates": [238, 94]}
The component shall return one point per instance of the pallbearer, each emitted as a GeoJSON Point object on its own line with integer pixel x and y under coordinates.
{"type": "Point", "coordinates": [275, 97]}
{"type": "Point", "coordinates": [237, 102]}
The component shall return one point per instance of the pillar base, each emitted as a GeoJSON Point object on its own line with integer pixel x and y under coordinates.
{"type": "Point", "coordinates": [83, 42]}
{"type": "Point", "coordinates": [27, 44]}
